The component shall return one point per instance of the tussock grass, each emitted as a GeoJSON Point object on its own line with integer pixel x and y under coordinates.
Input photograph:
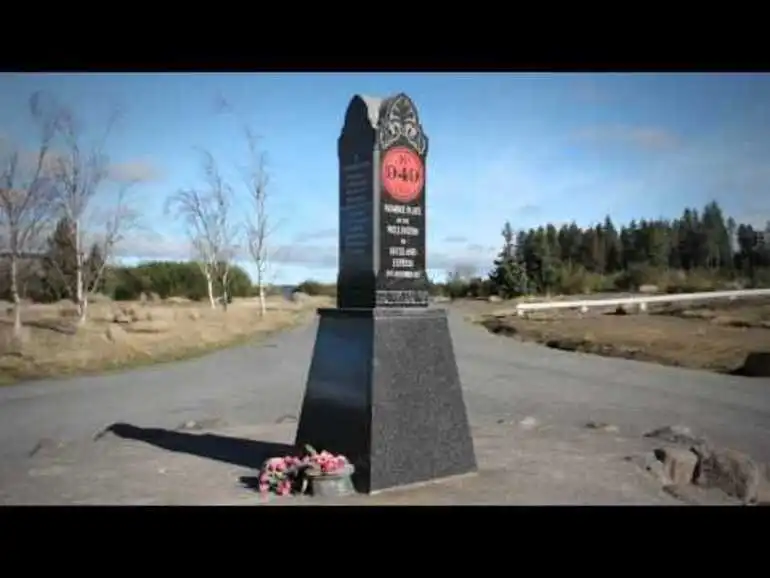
{"type": "Point", "coordinates": [715, 336]}
{"type": "Point", "coordinates": [125, 334]}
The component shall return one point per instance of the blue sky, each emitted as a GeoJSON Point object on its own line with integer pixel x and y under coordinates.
{"type": "Point", "coordinates": [530, 148]}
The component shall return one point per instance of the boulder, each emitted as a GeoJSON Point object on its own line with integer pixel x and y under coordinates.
{"type": "Point", "coordinates": [757, 364]}
{"type": "Point", "coordinates": [121, 318]}
{"type": "Point", "coordinates": [731, 471]}
{"type": "Point", "coordinates": [675, 434]}
{"type": "Point", "coordinates": [708, 468]}
{"type": "Point", "coordinates": [763, 490]}
{"type": "Point", "coordinates": [299, 297]}
{"type": "Point", "coordinates": [115, 333]}
{"type": "Point", "coordinates": [149, 297]}
{"type": "Point", "coordinates": [125, 315]}
{"type": "Point", "coordinates": [679, 464]}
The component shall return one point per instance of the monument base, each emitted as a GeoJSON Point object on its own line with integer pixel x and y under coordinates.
{"type": "Point", "coordinates": [384, 390]}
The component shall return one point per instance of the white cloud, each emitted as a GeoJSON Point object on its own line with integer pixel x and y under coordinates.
{"type": "Point", "coordinates": [473, 256]}
{"type": "Point", "coordinates": [137, 170]}
{"type": "Point", "coordinates": [317, 256]}
{"type": "Point", "coordinates": [151, 246]}
{"type": "Point", "coordinates": [162, 247]}
{"type": "Point", "coordinates": [644, 137]}
{"type": "Point", "coordinates": [318, 235]}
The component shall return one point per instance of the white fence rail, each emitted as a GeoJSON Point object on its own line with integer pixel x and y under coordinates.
{"type": "Point", "coordinates": [641, 301]}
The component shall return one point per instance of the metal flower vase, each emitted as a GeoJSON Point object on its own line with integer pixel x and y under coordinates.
{"type": "Point", "coordinates": [332, 485]}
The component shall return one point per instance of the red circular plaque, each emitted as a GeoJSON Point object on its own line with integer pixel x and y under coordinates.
{"type": "Point", "coordinates": [403, 174]}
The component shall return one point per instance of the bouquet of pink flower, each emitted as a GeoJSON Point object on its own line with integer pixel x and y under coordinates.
{"type": "Point", "coordinates": [320, 463]}
{"type": "Point", "coordinates": [281, 475]}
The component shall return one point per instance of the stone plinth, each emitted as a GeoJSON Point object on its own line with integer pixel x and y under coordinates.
{"type": "Point", "coordinates": [384, 390]}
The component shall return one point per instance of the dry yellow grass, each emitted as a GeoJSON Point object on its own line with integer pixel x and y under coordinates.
{"type": "Point", "coordinates": [714, 336]}
{"type": "Point", "coordinates": [122, 334]}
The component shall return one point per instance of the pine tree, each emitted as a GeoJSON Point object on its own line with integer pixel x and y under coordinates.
{"type": "Point", "coordinates": [613, 249]}
{"type": "Point", "coordinates": [542, 265]}
{"type": "Point", "coordinates": [93, 268]}
{"type": "Point", "coordinates": [60, 262]}
{"type": "Point", "coordinates": [509, 276]}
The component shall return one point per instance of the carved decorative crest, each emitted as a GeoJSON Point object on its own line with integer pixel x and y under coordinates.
{"type": "Point", "coordinates": [400, 120]}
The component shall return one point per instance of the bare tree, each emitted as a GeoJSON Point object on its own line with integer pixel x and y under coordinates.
{"type": "Point", "coordinates": [206, 213]}
{"type": "Point", "coordinates": [257, 224]}
{"type": "Point", "coordinates": [87, 194]}
{"type": "Point", "coordinates": [26, 196]}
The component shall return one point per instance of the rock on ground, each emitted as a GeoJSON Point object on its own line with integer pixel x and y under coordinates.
{"type": "Point", "coordinates": [299, 297]}
{"type": "Point", "coordinates": [678, 464]}
{"type": "Point", "coordinates": [731, 471]}
{"type": "Point", "coordinates": [706, 466]}
{"type": "Point", "coordinates": [757, 364]}
{"type": "Point", "coordinates": [675, 434]}
{"type": "Point", "coordinates": [115, 333]}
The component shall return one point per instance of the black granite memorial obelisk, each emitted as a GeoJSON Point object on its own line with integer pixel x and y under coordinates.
{"type": "Point", "coordinates": [383, 386]}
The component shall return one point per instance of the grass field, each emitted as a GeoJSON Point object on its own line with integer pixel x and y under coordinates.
{"type": "Point", "coordinates": [716, 336]}
{"type": "Point", "coordinates": [124, 334]}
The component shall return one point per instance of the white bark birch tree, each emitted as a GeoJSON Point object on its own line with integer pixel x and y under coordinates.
{"type": "Point", "coordinates": [206, 212]}
{"type": "Point", "coordinates": [26, 198]}
{"type": "Point", "coordinates": [257, 223]}
{"type": "Point", "coordinates": [86, 194]}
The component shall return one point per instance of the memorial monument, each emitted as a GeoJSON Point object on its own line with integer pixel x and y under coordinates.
{"type": "Point", "coordinates": [383, 386]}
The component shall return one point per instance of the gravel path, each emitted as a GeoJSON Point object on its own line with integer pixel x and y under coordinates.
{"type": "Point", "coordinates": [504, 382]}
